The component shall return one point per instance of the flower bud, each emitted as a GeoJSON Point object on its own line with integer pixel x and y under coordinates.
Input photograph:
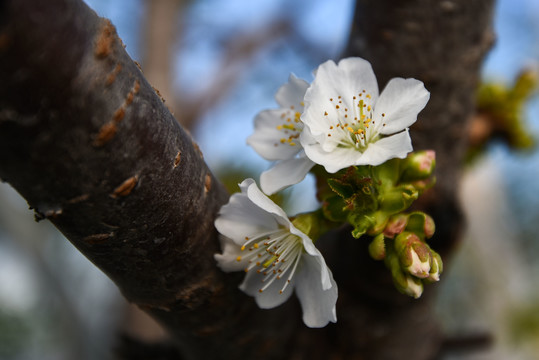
{"type": "Point", "coordinates": [422, 185]}
{"type": "Point", "coordinates": [419, 166]}
{"type": "Point", "coordinates": [404, 282]}
{"type": "Point", "coordinates": [377, 247]}
{"type": "Point", "coordinates": [429, 227]}
{"type": "Point", "coordinates": [414, 287]}
{"type": "Point", "coordinates": [396, 225]}
{"type": "Point", "coordinates": [420, 224]}
{"type": "Point", "coordinates": [436, 267]}
{"type": "Point", "coordinates": [414, 255]}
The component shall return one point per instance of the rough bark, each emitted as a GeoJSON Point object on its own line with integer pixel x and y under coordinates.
{"type": "Point", "coordinates": [91, 147]}
{"type": "Point", "coordinates": [88, 143]}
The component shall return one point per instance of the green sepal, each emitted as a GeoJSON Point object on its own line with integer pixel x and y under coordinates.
{"type": "Point", "coordinates": [361, 223]}
{"type": "Point", "coordinates": [334, 209]}
{"type": "Point", "coordinates": [377, 247]}
{"type": "Point", "coordinates": [397, 199]}
{"type": "Point", "coordinates": [420, 224]}
{"type": "Point", "coordinates": [416, 224]}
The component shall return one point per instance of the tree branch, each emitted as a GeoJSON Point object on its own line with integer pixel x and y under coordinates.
{"type": "Point", "coordinates": [88, 143]}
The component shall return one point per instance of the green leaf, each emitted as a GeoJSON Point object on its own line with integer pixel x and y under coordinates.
{"type": "Point", "coordinates": [341, 188]}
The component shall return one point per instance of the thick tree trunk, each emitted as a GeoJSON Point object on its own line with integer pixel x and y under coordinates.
{"type": "Point", "coordinates": [442, 43]}
{"type": "Point", "coordinates": [91, 147]}
{"type": "Point", "coordinates": [88, 143]}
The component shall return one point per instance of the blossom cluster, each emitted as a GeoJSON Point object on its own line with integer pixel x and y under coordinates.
{"type": "Point", "coordinates": [356, 140]}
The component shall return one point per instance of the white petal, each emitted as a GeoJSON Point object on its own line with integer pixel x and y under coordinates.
{"type": "Point", "coordinates": [227, 261]}
{"type": "Point", "coordinates": [349, 78]}
{"type": "Point", "coordinates": [394, 146]}
{"type": "Point", "coordinates": [335, 160]}
{"type": "Point", "coordinates": [358, 76]}
{"type": "Point", "coordinates": [401, 101]}
{"type": "Point", "coordinates": [270, 297]}
{"type": "Point", "coordinates": [266, 139]}
{"type": "Point", "coordinates": [265, 204]}
{"type": "Point", "coordinates": [318, 305]}
{"type": "Point", "coordinates": [240, 217]}
{"type": "Point", "coordinates": [285, 173]}
{"type": "Point", "coordinates": [292, 93]}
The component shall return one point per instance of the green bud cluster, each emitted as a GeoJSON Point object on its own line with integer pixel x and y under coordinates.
{"type": "Point", "coordinates": [366, 197]}
{"type": "Point", "coordinates": [373, 199]}
{"type": "Point", "coordinates": [402, 245]}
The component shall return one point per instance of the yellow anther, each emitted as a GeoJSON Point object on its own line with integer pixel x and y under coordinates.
{"type": "Point", "coordinates": [283, 140]}
{"type": "Point", "coordinates": [255, 245]}
{"type": "Point", "coordinates": [238, 258]}
{"type": "Point", "coordinates": [279, 127]}
{"type": "Point", "coordinates": [289, 127]}
{"type": "Point", "coordinates": [350, 129]}
{"type": "Point", "coordinates": [269, 262]}
{"type": "Point", "coordinates": [243, 248]}
{"type": "Point", "coordinates": [325, 113]}
{"type": "Point", "coordinates": [369, 108]}
{"type": "Point", "coordinates": [368, 96]}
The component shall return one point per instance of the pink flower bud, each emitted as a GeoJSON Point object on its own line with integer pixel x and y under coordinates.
{"type": "Point", "coordinates": [395, 225]}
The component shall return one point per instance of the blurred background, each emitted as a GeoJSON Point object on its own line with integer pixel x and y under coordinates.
{"type": "Point", "coordinates": [218, 63]}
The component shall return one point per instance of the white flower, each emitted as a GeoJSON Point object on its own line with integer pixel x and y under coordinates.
{"type": "Point", "coordinates": [276, 138]}
{"type": "Point", "coordinates": [277, 257]}
{"type": "Point", "coordinates": [347, 123]}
